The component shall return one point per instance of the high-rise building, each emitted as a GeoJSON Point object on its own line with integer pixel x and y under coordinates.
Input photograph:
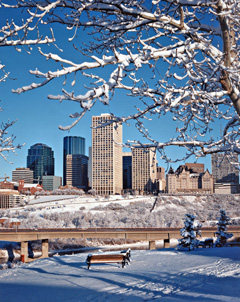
{"type": "Point", "coordinates": [225, 174]}
{"type": "Point", "coordinates": [106, 156]}
{"type": "Point", "coordinates": [90, 167]}
{"type": "Point", "coordinates": [72, 145]}
{"type": "Point", "coordinates": [77, 171]}
{"type": "Point", "coordinates": [223, 169]}
{"type": "Point", "coordinates": [127, 170]}
{"type": "Point", "coordinates": [22, 173]}
{"type": "Point", "coordinates": [161, 180]}
{"type": "Point", "coordinates": [51, 182]}
{"type": "Point", "coordinates": [40, 160]}
{"type": "Point", "coordinates": [144, 169]}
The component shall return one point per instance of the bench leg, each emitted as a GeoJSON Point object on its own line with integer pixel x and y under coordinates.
{"type": "Point", "coordinates": [128, 258]}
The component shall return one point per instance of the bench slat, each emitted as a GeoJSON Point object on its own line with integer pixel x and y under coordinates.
{"type": "Point", "coordinates": [109, 258]}
{"type": "Point", "coordinates": [107, 261]}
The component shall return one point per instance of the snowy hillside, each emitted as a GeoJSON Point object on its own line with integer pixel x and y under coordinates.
{"type": "Point", "coordinates": [139, 211]}
{"type": "Point", "coordinates": [205, 275]}
{"type": "Point", "coordinates": [119, 211]}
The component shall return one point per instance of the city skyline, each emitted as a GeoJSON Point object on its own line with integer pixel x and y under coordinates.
{"type": "Point", "coordinates": [20, 160]}
{"type": "Point", "coordinates": [38, 118]}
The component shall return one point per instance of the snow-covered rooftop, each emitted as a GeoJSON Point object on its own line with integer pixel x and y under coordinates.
{"type": "Point", "coordinates": [26, 185]}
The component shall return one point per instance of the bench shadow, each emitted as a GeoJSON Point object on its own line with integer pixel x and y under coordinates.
{"type": "Point", "coordinates": [214, 252]}
{"type": "Point", "coordinates": [139, 287]}
{"type": "Point", "coordinates": [168, 286]}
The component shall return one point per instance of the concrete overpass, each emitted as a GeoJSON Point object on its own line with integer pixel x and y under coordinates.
{"type": "Point", "coordinates": [141, 234]}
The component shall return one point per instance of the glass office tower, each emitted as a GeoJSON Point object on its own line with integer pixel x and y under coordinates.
{"type": "Point", "coordinates": [77, 171]}
{"type": "Point", "coordinates": [40, 160]}
{"type": "Point", "coordinates": [72, 145]}
{"type": "Point", "coordinates": [127, 170]}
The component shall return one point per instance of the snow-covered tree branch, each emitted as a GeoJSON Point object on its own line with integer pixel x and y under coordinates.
{"type": "Point", "coordinates": [7, 142]}
{"type": "Point", "coordinates": [177, 57]}
{"type": "Point", "coordinates": [16, 36]}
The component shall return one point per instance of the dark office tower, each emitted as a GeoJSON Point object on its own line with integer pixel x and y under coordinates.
{"type": "Point", "coordinates": [72, 145]}
{"type": "Point", "coordinates": [127, 170]}
{"type": "Point", "coordinates": [40, 160]}
{"type": "Point", "coordinates": [77, 171]}
{"type": "Point", "coordinates": [90, 167]}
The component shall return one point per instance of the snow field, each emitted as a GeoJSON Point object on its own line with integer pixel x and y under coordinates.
{"type": "Point", "coordinates": [159, 275]}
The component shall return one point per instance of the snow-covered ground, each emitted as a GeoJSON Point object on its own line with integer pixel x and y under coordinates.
{"type": "Point", "coordinates": [162, 275]}
{"type": "Point", "coordinates": [87, 211]}
{"type": "Point", "coordinates": [204, 275]}
{"type": "Point", "coordinates": [123, 211]}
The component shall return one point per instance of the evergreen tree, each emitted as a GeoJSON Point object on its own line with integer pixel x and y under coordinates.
{"type": "Point", "coordinates": [222, 234]}
{"type": "Point", "coordinates": [189, 233]}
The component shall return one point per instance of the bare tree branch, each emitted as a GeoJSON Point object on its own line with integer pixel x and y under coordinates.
{"type": "Point", "coordinates": [190, 47]}
{"type": "Point", "coordinates": [7, 142]}
{"type": "Point", "coordinates": [14, 35]}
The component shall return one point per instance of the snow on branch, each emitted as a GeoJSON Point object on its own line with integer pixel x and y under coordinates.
{"type": "Point", "coordinates": [14, 35]}
{"type": "Point", "coordinates": [4, 74]}
{"type": "Point", "coordinates": [7, 142]}
{"type": "Point", "coordinates": [176, 57]}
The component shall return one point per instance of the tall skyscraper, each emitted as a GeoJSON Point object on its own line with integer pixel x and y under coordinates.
{"type": "Point", "coordinates": [127, 170]}
{"type": "Point", "coordinates": [40, 160]}
{"type": "Point", "coordinates": [106, 156]}
{"type": "Point", "coordinates": [22, 173]}
{"type": "Point", "coordinates": [90, 167]}
{"type": "Point", "coordinates": [223, 170]}
{"type": "Point", "coordinates": [144, 169]}
{"type": "Point", "coordinates": [77, 171]}
{"type": "Point", "coordinates": [72, 145]}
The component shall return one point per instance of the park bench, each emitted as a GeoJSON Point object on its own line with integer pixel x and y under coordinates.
{"type": "Point", "coordinates": [123, 257]}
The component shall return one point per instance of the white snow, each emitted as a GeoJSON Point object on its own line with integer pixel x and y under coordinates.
{"type": "Point", "coordinates": [122, 211]}
{"type": "Point", "coordinates": [72, 202]}
{"type": "Point", "coordinates": [211, 274]}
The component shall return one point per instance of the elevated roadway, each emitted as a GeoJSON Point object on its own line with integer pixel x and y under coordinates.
{"type": "Point", "coordinates": [141, 234]}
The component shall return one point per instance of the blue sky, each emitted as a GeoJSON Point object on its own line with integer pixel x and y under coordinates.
{"type": "Point", "coordinates": [38, 118]}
